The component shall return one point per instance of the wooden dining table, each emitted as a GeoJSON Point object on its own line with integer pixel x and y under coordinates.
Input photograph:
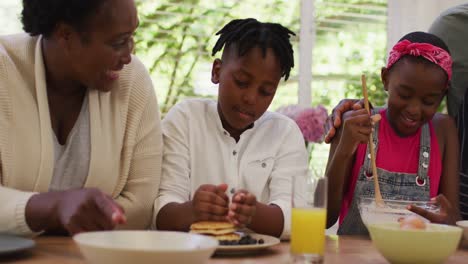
{"type": "Point", "coordinates": [343, 249]}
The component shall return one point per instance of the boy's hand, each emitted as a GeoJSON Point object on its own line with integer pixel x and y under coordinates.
{"type": "Point", "coordinates": [210, 203]}
{"type": "Point", "coordinates": [447, 214]}
{"type": "Point", "coordinates": [242, 208]}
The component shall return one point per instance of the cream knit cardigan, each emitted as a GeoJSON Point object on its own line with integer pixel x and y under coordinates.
{"type": "Point", "coordinates": [126, 140]}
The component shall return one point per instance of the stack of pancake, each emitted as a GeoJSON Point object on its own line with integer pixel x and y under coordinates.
{"type": "Point", "coordinates": [223, 231]}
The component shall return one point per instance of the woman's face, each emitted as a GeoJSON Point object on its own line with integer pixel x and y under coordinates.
{"type": "Point", "coordinates": [98, 53]}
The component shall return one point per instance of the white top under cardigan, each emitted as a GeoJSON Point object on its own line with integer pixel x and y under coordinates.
{"type": "Point", "coordinates": [71, 160]}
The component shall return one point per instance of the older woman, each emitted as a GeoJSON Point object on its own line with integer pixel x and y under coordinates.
{"type": "Point", "coordinates": [80, 136]}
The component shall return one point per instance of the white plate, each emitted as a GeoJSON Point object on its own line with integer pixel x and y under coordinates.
{"type": "Point", "coordinates": [269, 241]}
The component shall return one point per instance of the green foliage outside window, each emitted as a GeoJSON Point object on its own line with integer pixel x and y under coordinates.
{"type": "Point", "coordinates": [175, 39]}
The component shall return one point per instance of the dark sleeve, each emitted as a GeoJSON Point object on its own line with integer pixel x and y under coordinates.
{"type": "Point", "coordinates": [462, 122]}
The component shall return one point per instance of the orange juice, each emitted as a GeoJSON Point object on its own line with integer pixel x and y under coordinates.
{"type": "Point", "coordinates": [308, 230]}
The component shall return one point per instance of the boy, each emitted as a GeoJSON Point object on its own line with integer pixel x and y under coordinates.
{"type": "Point", "coordinates": [215, 149]}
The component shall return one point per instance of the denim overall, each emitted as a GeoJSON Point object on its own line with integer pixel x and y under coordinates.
{"type": "Point", "coordinates": [393, 185]}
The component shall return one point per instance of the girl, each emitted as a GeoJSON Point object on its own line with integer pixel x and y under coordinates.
{"type": "Point", "coordinates": [232, 143]}
{"type": "Point", "coordinates": [417, 148]}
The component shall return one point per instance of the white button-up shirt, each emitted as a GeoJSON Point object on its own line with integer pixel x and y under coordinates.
{"type": "Point", "coordinates": [198, 150]}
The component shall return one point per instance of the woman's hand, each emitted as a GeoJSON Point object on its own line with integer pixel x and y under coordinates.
{"type": "Point", "coordinates": [82, 210]}
{"type": "Point", "coordinates": [357, 126]}
{"type": "Point", "coordinates": [242, 208]}
{"type": "Point", "coordinates": [447, 215]}
{"type": "Point", "coordinates": [334, 120]}
{"type": "Point", "coordinates": [73, 211]}
{"type": "Point", "coordinates": [210, 203]}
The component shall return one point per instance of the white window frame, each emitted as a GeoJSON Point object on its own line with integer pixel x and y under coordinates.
{"type": "Point", "coordinates": [306, 46]}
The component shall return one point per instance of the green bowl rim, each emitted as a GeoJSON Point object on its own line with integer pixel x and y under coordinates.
{"type": "Point", "coordinates": [394, 226]}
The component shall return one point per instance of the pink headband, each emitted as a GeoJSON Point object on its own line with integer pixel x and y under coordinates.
{"type": "Point", "coordinates": [428, 51]}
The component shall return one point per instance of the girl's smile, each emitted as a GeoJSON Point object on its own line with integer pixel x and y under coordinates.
{"type": "Point", "coordinates": [410, 123]}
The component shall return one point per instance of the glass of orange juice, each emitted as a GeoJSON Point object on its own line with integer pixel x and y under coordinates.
{"type": "Point", "coordinates": [308, 220]}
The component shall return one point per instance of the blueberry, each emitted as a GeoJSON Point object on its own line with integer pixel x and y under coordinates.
{"type": "Point", "coordinates": [244, 241]}
{"type": "Point", "coordinates": [252, 241]}
{"type": "Point", "coordinates": [261, 241]}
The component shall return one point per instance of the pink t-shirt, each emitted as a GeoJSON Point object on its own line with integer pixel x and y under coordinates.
{"type": "Point", "coordinates": [398, 154]}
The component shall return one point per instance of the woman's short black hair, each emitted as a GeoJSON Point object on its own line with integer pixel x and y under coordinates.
{"type": "Point", "coordinates": [40, 17]}
{"type": "Point", "coordinates": [248, 33]}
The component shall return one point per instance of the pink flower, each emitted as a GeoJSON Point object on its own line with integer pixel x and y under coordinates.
{"type": "Point", "coordinates": [291, 111]}
{"type": "Point", "coordinates": [311, 122]}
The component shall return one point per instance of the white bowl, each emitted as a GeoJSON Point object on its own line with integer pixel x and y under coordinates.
{"type": "Point", "coordinates": [464, 224]}
{"type": "Point", "coordinates": [123, 247]}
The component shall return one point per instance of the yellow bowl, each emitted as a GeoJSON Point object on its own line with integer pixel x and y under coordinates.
{"type": "Point", "coordinates": [145, 247]}
{"type": "Point", "coordinates": [430, 246]}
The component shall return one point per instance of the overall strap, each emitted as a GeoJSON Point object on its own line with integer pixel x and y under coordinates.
{"type": "Point", "coordinates": [424, 155]}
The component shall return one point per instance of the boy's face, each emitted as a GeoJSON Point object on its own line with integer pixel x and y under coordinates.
{"type": "Point", "coordinates": [415, 91]}
{"type": "Point", "coordinates": [247, 86]}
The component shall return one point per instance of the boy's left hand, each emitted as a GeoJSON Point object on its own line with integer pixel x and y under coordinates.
{"type": "Point", "coordinates": [242, 208]}
{"type": "Point", "coordinates": [447, 215]}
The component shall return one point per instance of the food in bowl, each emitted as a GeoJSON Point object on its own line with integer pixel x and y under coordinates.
{"type": "Point", "coordinates": [412, 222]}
{"type": "Point", "coordinates": [392, 211]}
{"type": "Point", "coordinates": [430, 246]}
{"type": "Point", "coordinates": [145, 247]}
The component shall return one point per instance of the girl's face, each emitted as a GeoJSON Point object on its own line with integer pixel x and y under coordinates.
{"type": "Point", "coordinates": [95, 57]}
{"type": "Point", "coordinates": [247, 86]}
{"type": "Point", "coordinates": [415, 90]}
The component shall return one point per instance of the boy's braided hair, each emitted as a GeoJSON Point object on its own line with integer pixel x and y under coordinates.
{"type": "Point", "coordinates": [249, 33]}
